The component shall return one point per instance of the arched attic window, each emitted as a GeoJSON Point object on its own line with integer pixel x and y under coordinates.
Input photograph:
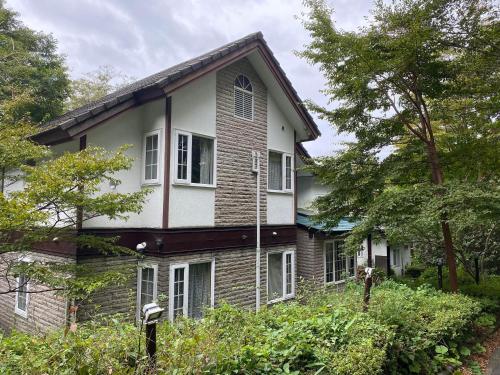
{"type": "Point", "coordinates": [243, 98]}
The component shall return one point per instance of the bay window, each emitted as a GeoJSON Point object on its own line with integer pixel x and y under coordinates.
{"type": "Point", "coordinates": [280, 276]}
{"type": "Point", "coordinates": [338, 264]}
{"type": "Point", "coordinates": [194, 159]}
{"type": "Point", "coordinates": [280, 172]}
{"type": "Point", "coordinates": [191, 289]}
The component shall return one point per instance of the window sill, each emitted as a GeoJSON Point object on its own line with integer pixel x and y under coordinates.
{"type": "Point", "coordinates": [288, 192]}
{"type": "Point", "coordinates": [21, 313]}
{"type": "Point", "coordinates": [187, 184]}
{"type": "Point", "coordinates": [150, 183]}
{"type": "Point", "coordinates": [244, 118]}
{"type": "Point", "coordinates": [277, 300]}
{"type": "Point", "coordinates": [331, 283]}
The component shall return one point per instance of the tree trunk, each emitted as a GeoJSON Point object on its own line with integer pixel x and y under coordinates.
{"type": "Point", "coordinates": [437, 179]}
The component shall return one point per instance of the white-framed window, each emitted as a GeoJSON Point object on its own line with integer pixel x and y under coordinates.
{"type": "Point", "coordinates": [337, 264]}
{"type": "Point", "coordinates": [22, 295]}
{"type": "Point", "coordinates": [147, 285]}
{"type": "Point", "coordinates": [194, 159]}
{"type": "Point", "coordinates": [280, 172]}
{"type": "Point", "coordinates": [243, 98]}
{"type": "Point", "coordinates": [396, 257]}
{"type": "Point", "coordinates": [151, 156]}
{"type": "Point", "coordinates": [191, 289]}
{"type": "Point", "coordinates": [280, 276]}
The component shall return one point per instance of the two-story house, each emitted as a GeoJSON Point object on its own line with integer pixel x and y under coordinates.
{"type": "Point", "coordinates": [194, 128]}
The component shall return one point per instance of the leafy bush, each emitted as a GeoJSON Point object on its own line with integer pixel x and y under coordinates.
{"type": "Point", "coordinates": [403, 330]}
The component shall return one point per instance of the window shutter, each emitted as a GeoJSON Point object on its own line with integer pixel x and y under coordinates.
{"type": "Point", "coordinates": [248, 106]}
{"type": "Point", "coordinates": [239, 103]}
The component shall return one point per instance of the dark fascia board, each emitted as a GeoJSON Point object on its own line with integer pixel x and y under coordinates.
{"type": "Point", "coordinates": [302, 152]}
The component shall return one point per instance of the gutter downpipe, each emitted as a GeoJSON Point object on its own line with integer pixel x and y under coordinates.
{"type": "Point", "coordinates": [256, 170]}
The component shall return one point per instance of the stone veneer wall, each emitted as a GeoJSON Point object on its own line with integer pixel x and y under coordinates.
{"type": "Point", "coordinates": [234, 279]}
{"type": "Point", "coordinates": [45, 310]}
{"type": "Point", "coordinates": [235, 194]}
{"type": "Point", "coordinates": [310, 265]}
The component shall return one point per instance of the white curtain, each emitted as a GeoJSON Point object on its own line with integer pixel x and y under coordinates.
{"type": "Point", "coordinates": [275, 276]}
{"type": "Point", "coordinates": [206, 161]}
{"type": "Point", "coordinates": [199, 289]}
{"type": "Point", "coordinates": [275, 171]}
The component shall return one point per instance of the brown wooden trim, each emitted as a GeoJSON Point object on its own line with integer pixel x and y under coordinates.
{"type": "Point", "coordinates": [180, 241]}
{"type": "Point", "coordinates": [166, 163]}
{"type": "Point", "coordinates": [209, 68]}
{"type": "Point", "coordinates": [292, 97]}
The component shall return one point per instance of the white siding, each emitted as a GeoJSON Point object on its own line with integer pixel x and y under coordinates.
{"type": "Point", "coordinates": [280, 137]}
{"type": "Point", "coordinates": [129, 128]}
{"type": "Point", "coordinates": [193, 110]}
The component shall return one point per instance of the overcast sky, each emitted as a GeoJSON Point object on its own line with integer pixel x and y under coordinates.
{"type": "Point", "coordinates": [141, 37]}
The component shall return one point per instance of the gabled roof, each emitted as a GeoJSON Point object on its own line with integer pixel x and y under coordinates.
{"type": "Point", "coordinates": [162, 83]}
{"type": "Point", "coordinates": [304, 220]}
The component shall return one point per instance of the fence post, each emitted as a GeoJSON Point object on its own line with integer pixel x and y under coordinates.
{"type": "Point", "coordinates": [368, 285]}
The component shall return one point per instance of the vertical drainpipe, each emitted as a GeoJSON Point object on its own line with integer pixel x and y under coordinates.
{"type": "Point", "coordinates": [369, 246]}
{"type": "Point", "coordinates": [256, 170]}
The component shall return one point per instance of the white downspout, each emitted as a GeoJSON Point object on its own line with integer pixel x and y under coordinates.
{"type": "Point", "coordinates": [256, 170]}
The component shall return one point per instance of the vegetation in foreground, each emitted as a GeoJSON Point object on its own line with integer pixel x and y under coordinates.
{"type": "Point", "coordinates": [404, 331]}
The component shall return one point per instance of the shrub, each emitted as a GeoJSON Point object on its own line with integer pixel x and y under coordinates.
{"type": "Point", "coordinates": [403, 330]}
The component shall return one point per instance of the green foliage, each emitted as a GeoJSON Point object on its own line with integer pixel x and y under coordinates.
{"type": "Point", "coordinates": [33, 80]}
{"type": "Point", "coordinates": [420, 330]}
{"type": "Point", "coordinates": [95, 85]}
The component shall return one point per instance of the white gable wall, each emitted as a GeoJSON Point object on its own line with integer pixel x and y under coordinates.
{"type": "Point", "coordinates": [280, 137]}
{"type": "Point", "coordinates": [129, 128]}
{"type": "Point", "coordinates": [193, 110]}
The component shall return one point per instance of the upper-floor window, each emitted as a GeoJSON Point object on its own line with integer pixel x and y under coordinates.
{"type": "Point", "coordinates": [151, 157]}
{"type": "Point", "coordinates": [194, 159]}
{"type": "Point", "coordinates": [243, 98]}
{"type": "Point", "coordinates": [280, 171]}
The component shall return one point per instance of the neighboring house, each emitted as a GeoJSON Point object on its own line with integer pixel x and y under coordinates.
{"type": "Point", "coordinates": [194, 128]}
{"type": "Point", "coordinates": [321, 258]}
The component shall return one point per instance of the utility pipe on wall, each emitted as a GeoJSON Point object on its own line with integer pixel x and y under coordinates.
{"type": "Point", "coordinates": [256, 170]}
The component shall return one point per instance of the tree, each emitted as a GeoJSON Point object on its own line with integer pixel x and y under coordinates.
{"type": "Point", "coordinates": [94, 85]}
{"type": "Point", "coordinates": [31, 67]}
{"type": "Point", "coordinates": [59, 192]}
{"type": "Point", "coordinates": [408, 80]}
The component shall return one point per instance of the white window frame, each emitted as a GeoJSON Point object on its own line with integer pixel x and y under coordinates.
{"type": "Point", "coordinates": [334, 282]}
{"type": "Point", "coordinates": [140, 266]}
{"type": "Point", "coordinates": [175, 145]}
{"type": "Point", "coordinates": [400, 257]}
{"type": "Point", "coordinates": [157, 180]}
{"type": "Point", "coordinates": [185, 266]}
{"type": "Point", "coordinates": [284, 155]}
{"type": "Point", "coordinates": [283, 273]}
{"type": "Point", "coordinates": [245, 92]}
{"type": "Point", "coordinates": [18, 311]}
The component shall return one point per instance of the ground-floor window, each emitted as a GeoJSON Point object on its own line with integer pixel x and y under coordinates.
{"type": "Point", "coordinates": [191, 289]}
{"type": "Point", "coordinates": [396, 257]}
{"type": "Point", "coordinates": [338, 265]}
{"type": "Point", "coordinates": [147, 285]}
{"type": "Point", "coordinates": [280, 275]}
{"type": "Point", "coordinates": [21, 307]}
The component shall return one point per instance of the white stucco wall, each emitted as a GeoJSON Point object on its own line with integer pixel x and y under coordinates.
{"type": "Point", "coordinates": [308, 190]}
{"type": "Point", "coordinates": [280, 137]}
{"type": "Point", "coordinates": [193, 110]}
{"type": "Point", "coordinates": [129, 128]}
{"type": "Point", "coordinates": [379, 247]}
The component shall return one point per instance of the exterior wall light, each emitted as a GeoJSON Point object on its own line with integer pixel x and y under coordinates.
{"type": "Point", "coordinates": [151, 312]}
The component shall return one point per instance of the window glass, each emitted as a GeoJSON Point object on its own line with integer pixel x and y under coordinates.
{"type": "Point", "coordinates": [151, 155]}
{"type": "Point", "coordinates": [288, 172]}
{"type": "Point", "coordinates": [289, 273]}
{"type": "Point", "coordinates": [178, 292]}
{"type": "Point", "coordinates": [21, 292]}
{"type": "Point", "coordinates": [275, 276]}
{"type": "Point", "coordinates": [199, 296]}
{"type": "Point", "coordinates": [147, 285]}
{"type": "Point", "coordinates": [182, 156]}
{"type": "Point", "coordinates": [329, 262]}
{"type": "Point", "coordinates": [275, 171]}
{"type": "Point", "coordinates": [340, 261]}
{"type": "Point", "coordinates": [202, 160]}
